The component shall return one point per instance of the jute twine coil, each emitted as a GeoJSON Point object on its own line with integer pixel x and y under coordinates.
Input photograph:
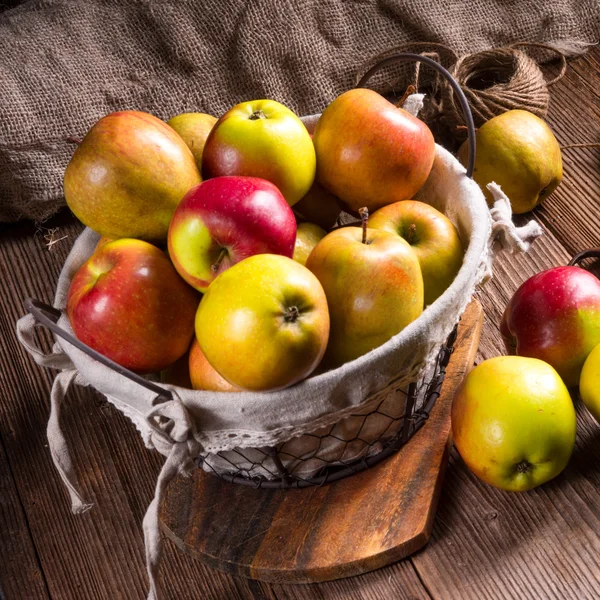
{"type": "Point", "coordinates": [494, 82]}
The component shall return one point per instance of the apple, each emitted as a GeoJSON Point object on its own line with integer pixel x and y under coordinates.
{"type": "Point", "coordinates": [555, 316]}
{"type": "Point", "coordinates": [262, 138]}
{"type": "Point", "coordinates": [203, 375]}
{"type": "Point", "coordinates": [318, 206]}
{"type": "Point", "coordinates": [307, 237]}
{"type": "Point", "coordinates": [373, 285]}
{"type": "Point", "coordinates": [128, 303]}
{"type": "Point", "coordinates": [128, 175]}
{"type": "Point", "coordinates": [518, 151]}
{"type": "Point", "coordinates": [589, 382]}
{"type": "Point", "coordinates": [193, 128]}
{"type": "Point", "coordinates": [431, 235]}
{"type": "Point", "coordinates": [370, 152]}
{"type": "Point", "coordinates": [513, 422]}
{"type": "Point", "coordinates": [224, 221]}
{"type": "Point", "coordinates": [263, 324]}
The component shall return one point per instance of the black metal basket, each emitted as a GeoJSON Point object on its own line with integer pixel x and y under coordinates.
{"type": "Point", "coordinates": [418, 400]}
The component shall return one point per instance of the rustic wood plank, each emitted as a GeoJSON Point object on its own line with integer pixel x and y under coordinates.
{"type": "Point", "coordinates": [98, 554]}
{"type": "Point", "coordinates": [20, 572]}
{"type": "Point", "coordinates": [353, 526]}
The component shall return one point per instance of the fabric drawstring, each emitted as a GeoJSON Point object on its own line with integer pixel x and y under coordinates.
{"type": "Point", "coordinates": [505, 235]}
{"type": "Point", "coordinates": [57, 443]}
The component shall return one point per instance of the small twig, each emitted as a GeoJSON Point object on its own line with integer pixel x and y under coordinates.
{"type": "Point", "coordinates": [49, 237]}
{"type": "Point", "coordinates": [73, 140]}
{"type": "Point", "coordinates": [409, 90]}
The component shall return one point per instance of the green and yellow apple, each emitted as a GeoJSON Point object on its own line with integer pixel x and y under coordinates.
{"type": "Point", "coordinates": [128, 303]}
{"type": "Point", "coordinates": [431, 235]}
{"type": "Point", "coordinates": [513, 422]}
{"type": "Point", "coordinates": [263, 324]}
{"type": "Point", "coordinates": [370, 152]}
{"type": "Point", "coordinates": [307, 237]}
{"type": "Point", "coordinates": [518, 151]}
{"type": "Point", "coordinates": [203, 375]}
{"type": "Point", "coordinates": [589, 382]}
{"type": "Point", "coordinates": [262, 138]}
{"type": "Point", "coordinates": [193, 129]}
{"type": "Point", "coordinates": [373, 285]}
{"type": "Point", "coordinates": [128, 175]}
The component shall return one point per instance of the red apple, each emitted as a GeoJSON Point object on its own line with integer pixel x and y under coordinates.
{"type": "Point", "coordinates": [203, 375]}
{"type": "Point", "coordinates": [225, 220]}
{"type": "Point", "coordinates": [262, 138]}
{"type": "Point", "coordinates": [128, 303]}
{"type": "Point", "coordinates": [370, 152]}
{"type": "Point", "coordinates": [373, 285]}
{"type": "Point", "coordinates": [555, 316]}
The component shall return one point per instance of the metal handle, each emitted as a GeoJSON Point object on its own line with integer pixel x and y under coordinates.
{"type": "Point", "coordinates": [464, 104]}
{"type": "Point", "coordinates": [48, 316]}
{"type": "Point", "coordinates": [589, 253]}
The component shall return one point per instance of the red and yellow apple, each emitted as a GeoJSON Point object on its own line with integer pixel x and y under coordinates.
{"type": "Point", "coordinates": [431, 235]}
{"type": "Point", "coordinates": [225, 220]}
{"type": "Point", "coordinates": [370, 152]}
{"type": "Point", "coordinates": [128, 303]}
{"type": "Point", "coordinates": [374, 289]}
{"type": "Point", "coordinates": [307, 237]}
{"type": "Point", "coordinates": [203, 375]}
{"type": "Point", "coordinates": [555, 316]}
{"type": "Point", "coordinates": [193, 129]}
{"type": "Point", "coordinates": [263, 324]}
{"type": "Point", "coordinates": [262, 138]}
{"type": "Point", "coordinates": [128, 175]}
{"type": "Point", "coordinates": [318, 206]}
{"type": "Point", "coordinates": [513, 422]}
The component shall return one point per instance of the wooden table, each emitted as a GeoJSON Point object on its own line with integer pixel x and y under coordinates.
{"type": "Point", "coordinates": [486, 544]}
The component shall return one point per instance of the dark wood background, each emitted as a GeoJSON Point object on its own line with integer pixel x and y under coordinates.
{"type": "Point", "coordinates": [486, 544]}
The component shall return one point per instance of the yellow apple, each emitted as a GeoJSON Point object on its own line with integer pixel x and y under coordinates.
{"type": "Point", "coordinates": [519, 152]}
{"type": "Point", "coordinates": [513, 422]}
{"type": "Point", "coordinates": [589, 383]}
{"type": "Point", "coordinates": [193, 129]}
{"type": "Point", "coordinates": [308, 235]}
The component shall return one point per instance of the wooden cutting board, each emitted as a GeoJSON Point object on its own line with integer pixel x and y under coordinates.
{"type": "Point", "coordinates": [345, 528]}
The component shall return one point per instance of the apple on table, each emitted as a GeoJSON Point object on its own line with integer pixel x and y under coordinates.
{"type": "Point", "coordinates": [128, 303]}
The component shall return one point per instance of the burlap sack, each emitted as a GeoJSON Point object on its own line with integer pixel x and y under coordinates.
{"type": "Point", "coordinates": [64, 64]}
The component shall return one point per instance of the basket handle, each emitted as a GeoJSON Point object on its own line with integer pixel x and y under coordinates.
{"type": "Point", "coordinates": [464, 104]}
{"type": "Point", "coordinates": [589, 253]}
{"type": "Point", "coordinates": [48, 316]}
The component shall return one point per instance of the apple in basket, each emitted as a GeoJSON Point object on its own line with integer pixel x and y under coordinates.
{"type": "Point", "coordinates": [555, 316]}
{"type": "Point", "coordinates": [128, 303]}
{"type": "Point", "coordinates": [433, 238]}
{"type": "Point", "coordinates": [128, 175]}
{"type": "Point", "coordinates": [307, 237]}
{"type": "Point", "coordinates": [374, 288]}
{"type": "Point", "coordinates": [262, 138]}
{"type": "Point", "coordinates": [203, 375]}
{"type": "Point", "coordinates": [263, 324]}
{"type": "Point", "coordinates": [193, 129]}
{"type": "Point", "coordinates": [223, 221]}
{"type": "Point", "coordinates": [318, 206]}
{"type": "Point", "coordinates": [370, 152]}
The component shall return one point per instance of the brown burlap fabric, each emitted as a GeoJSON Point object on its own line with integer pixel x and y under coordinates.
{"type": "Point", "coordinates": [66, 63]}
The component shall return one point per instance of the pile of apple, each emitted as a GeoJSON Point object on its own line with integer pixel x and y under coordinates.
{"type": "Point", "coordinates": [262, 300]}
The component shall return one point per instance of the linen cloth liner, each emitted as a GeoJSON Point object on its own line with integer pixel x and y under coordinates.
{"type": "Point", "coordinates": [197, 422]}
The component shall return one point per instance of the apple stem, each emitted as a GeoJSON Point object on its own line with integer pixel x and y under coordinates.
{"type": "Point", "coordinates": [411, 233]}
{"type": "Point", "coordinates": [292, 313]}
{"type": "Point", "coordinates": [364, 217]}
{"type": "Point", "coordinates": [257, 114]}
{"type": "Point", "coordinates": [409, 90]}
{"type": "Point", "coordinates": [215, 267]}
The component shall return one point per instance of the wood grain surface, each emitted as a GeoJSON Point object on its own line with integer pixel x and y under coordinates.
{"type": "Point", "coordinates": [348, 528]}
{"type": "Point", "coordinates": [485, 544]}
